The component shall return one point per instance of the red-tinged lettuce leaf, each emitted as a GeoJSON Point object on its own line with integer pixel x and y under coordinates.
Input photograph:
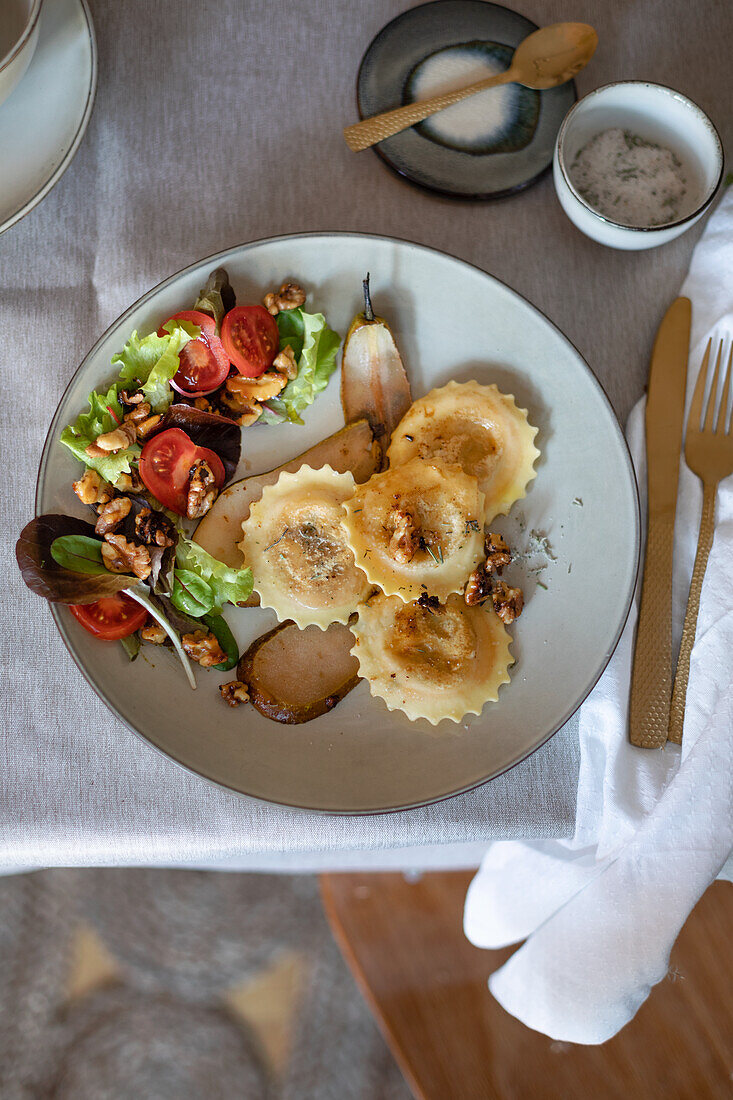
{"type": "Point", "coordinates": [206, 429]}
{"type": "Point", "coordinates": [48, 579]}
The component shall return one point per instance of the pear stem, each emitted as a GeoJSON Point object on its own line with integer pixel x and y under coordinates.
{"type": "Point", "coordinates": [368, 311]}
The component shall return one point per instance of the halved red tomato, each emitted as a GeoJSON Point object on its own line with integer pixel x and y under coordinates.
{"type": "Point", "coordinates": [251, 339]}
{"type": "Point", "coordinates": [204, 363]}
{"type": "Point", "coordinates": [166, 462]}
{"type": "Point", "coordinates": [194, 317]}
{"type": "Point", "coordinates": [111, 617]}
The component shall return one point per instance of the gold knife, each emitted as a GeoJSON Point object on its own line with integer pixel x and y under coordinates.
{"type": "Point", "coordinates": [651, 680]}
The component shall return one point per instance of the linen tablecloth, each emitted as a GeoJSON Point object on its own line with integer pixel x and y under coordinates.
{"type": "Point", "coordinates": [216, 123]}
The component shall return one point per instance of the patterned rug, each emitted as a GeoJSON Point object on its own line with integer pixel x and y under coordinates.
{"type": "Point", "coordinates": [122, 984]}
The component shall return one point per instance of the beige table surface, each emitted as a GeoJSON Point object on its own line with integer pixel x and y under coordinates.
{"type": "Point", "coordinates": [215, 123]}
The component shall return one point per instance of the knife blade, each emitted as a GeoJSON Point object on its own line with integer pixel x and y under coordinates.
{"type": "Point", "coordinates": [651, 680]}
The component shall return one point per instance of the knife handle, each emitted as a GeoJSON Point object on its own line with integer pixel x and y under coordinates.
{"type": "Point", "coordinates": [651, 679]}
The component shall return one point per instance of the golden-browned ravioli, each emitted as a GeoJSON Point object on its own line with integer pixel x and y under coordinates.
{"type": "Point", "coordinates": [431, 662]}
{"type": "Point", "coordinates": [416, 528]}
{"type": "Point", "coordinates": [477, 428]}
{"type": "Point", "coordinates": [294, 541]}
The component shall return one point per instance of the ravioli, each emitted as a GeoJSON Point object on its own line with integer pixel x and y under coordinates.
{"type": "Point", "coordinates": [295, 543]}
{"type": "Point", "coordinates": [432, 663]}
{"type": "Point", "coordinates": [477, 428]}
{"type": "Point", "coordinates": [417, 528]}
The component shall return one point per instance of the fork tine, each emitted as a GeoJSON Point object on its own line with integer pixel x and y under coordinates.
{"type": "Point", "coordinates": [721, 424]}
{"type": "Point", "coordinates": [710, 410]}
{"type": "Point", "coordinates": [696, 407]}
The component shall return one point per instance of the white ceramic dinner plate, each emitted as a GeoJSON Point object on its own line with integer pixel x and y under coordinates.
{"type": "Point", "coordinates": [450, 320]}
{"type": "Point", "coordinates": [44, 119]}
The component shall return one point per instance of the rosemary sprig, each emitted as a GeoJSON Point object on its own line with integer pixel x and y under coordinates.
{"type": "Point", "coordinates": [276, 540]}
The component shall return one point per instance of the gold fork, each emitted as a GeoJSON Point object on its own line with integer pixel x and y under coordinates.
{"type": "Point", "coordinates": [709, 454]}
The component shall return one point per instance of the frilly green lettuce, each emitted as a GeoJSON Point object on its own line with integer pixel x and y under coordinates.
{"type": "Point", "coordinates": [105, 414]}
{"type": "Point", "coordinates": [153, 360]}
{"type": "Point", "coordinates": [315, 346]}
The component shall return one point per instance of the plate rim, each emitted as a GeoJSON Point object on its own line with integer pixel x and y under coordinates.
{"type": "Point", "coordinates": [219, 258]}
{"type": "Point", "coordinates": [460, 196]}
{"type": "Point", "coordinates": [30, 204]}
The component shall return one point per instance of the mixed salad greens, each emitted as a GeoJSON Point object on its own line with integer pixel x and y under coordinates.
{"type": "Point", "coordinates": [157, 446]}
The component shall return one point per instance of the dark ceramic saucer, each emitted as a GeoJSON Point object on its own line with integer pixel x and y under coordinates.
{"type": "Point", "coordinates": [492, 144]}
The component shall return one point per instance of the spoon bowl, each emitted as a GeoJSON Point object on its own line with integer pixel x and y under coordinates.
{"type": "Point", "coordinates": [552, 55]}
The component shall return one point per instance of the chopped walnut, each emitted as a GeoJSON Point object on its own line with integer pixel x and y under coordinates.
{"type": "Point", "coordinates": [130, 399]}
{"type": "Point", "coordinates": [146, 428]}
{"type": "Point", "coordinates": [405, 538]}
{"type": "Point", "coordinates": [202, 490]}
{"type": "Point", "coordinates": [154, 529]}
{"type": "Point", "coordinates": [202, 646]}
{"type": "Point", "coordinates": [248, 390]}
{"type": "Point", "coordinates": [497, 553]}
{"type": "Point", "coordinates": [122, 556]}
{"type": "Point", "coordinates": [153, 632]}
{"type": "Point", "coordinates": [139, 411]}
{"type": "Point", "coordinates": [286, 363]}
{"type": "Point", "coordinates": [112, 514]}
{"type": "Point", "coordinates": [289, 296]}
{"type": "Point", "coordinates": [129, 483]}
{"type": "Point", "coordinates": [234, 693]}
{"type": "Point", "coordinates": [92, 489]}
{"type": "Point", "coordinates": [429, 603]}
{"type": "Point", "coordinates": [204, 404]}
{"type": "Point", "coordinates": [116, 440]}
{"type": "Point", "coordinates": [250, 416]}
{"type": "Point", "coordinates": [478, 586]}
{"type": "Point", "coordinates": [508, 602]}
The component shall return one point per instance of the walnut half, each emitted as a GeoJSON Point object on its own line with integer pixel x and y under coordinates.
{"type": "Point", "coordinates": [508, 602]}
{"type": "Point", "coordinates": [289, 296]}
{"type": "Point", "coordinates": [203, 646]}
{"type": "Point", "coordinates": [234, 693]}
{"type": "Point", "coordinates": [202, 490]}
{"type": "Point", "coordinates": [154, 529]}
{"type": "Point", "coordinates": [92, 489]}
{"type": "Point", "coordinates": [122, 556]}
{"type": "Point", "coordinates": [112, 514]}
{"type": "Point", "coordinates": [405, 538]}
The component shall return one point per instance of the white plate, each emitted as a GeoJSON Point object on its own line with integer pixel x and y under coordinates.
{"type": "Point", "coordinates": [451, 321]}
{"type": "Point", "coordinates": [43, 121]}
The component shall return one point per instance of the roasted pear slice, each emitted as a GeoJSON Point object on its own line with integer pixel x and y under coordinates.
{"type": "Point", "coordinates": [295, 675]}
{"type": "Point", "coordinates": [350, 450]}
{"type": "Point", "coordinates": [374, 384]}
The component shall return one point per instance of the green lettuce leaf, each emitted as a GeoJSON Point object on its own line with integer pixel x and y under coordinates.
{"type": "Point", "coordinates": [315, 346]}
{"type": "Point", "coordinates": [105, 413]}
{"type": "Point", "coordinates": [191, 594]}
{"type": "Point", "coordinates": [228, 585]}
{"type": "Point", "coordinates": [153, 360]}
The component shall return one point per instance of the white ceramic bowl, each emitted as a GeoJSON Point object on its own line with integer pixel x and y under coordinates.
{"type": "Point", "coordinates": [655, 113]}
{"type": "Point", "coordinates": [21, 20]}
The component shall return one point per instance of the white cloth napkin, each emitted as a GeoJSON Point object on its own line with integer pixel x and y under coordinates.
{"type": "Point", "coordinates": [654, 828]}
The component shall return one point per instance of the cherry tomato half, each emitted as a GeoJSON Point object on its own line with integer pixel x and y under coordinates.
{"type": "Point", "coordinates": [111, 617]}
{"type": "Point", "coordinates": [165, 464]}
{"type": "Point", "coordinates": [251, 339]}
{"type": "Point", "coordinates": [194, 317]}
{"type": "Point", "coordinates": [204, 363]}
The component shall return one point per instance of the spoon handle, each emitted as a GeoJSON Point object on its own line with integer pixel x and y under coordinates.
{"type": "Point", "coordinates": [371, 130]}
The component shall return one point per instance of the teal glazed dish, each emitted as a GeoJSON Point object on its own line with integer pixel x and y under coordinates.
{"type": "Point", "coordinates": [490, 145]}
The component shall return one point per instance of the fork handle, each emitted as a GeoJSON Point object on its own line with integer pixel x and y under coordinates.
{"type": "Point", "coordinates": [704, 543]}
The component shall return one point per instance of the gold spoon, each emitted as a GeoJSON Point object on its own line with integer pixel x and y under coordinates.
{"type": "Point", "coordinates": [547, 57]}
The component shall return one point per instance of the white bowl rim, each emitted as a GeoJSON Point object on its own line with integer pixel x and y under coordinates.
{"type": "Point", "coordinates": [27, 32]}
{"type": "Point", "coordinates": [690, 103]}
{"type": "Point", "coordinates": [217, 259]}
